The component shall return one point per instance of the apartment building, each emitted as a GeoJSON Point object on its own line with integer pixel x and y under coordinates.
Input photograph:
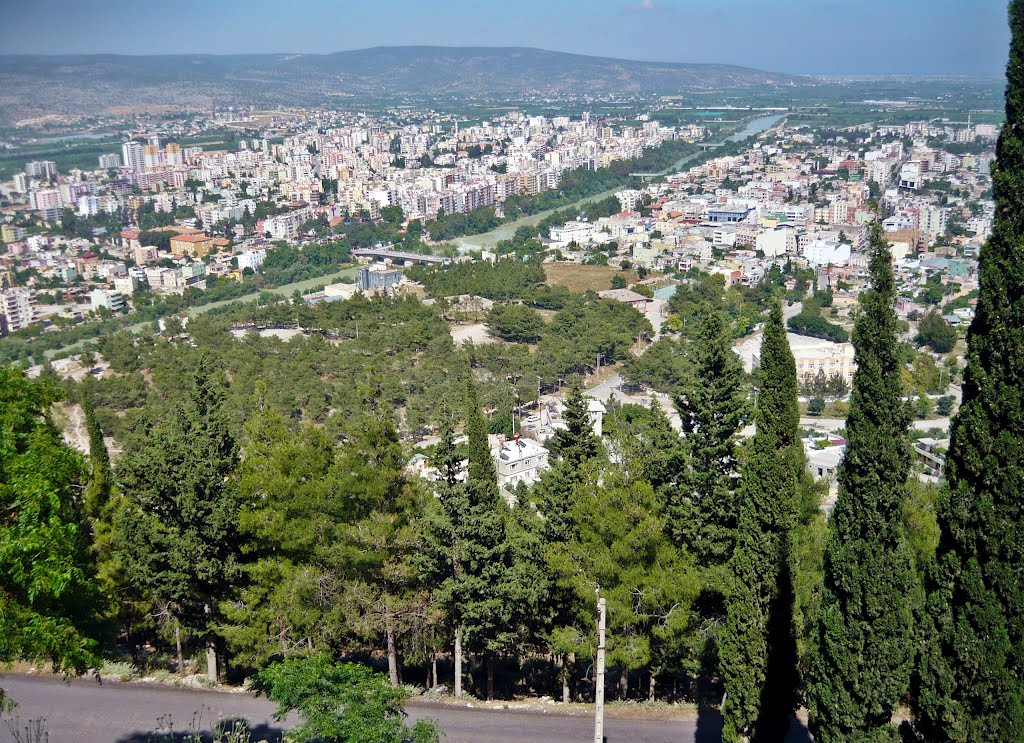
{"type": "Point", "coordinates": [17, 309]}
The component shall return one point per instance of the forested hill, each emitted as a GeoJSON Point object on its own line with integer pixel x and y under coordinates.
{"type": "Point", "coordinates": [90, 82]}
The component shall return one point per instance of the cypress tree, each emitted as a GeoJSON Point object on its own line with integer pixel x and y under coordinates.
{"type": "Point", "coordinates": [97, 492]}
{"type": "Point", "coordinates": [758, 644]}
{"type": "Point", "coordinates": [865, 648]}
{"type": "Point", "coordinates": [972, 670]}
{"type": "Point", "coordinates": [712, 407]}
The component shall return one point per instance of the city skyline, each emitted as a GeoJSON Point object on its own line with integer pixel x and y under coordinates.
{"type": "Point", "coordinates": [798, 37]}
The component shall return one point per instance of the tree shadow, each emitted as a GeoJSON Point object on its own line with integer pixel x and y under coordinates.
{"type": "Point", "coordinates": [269, 733]}
{"type": "Point", "coordinates": [709, 725]}
{"type": "Point", "coordinates": [798, 732]}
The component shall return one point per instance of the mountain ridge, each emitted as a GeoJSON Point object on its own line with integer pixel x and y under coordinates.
{"type": "Point", "coordinates": [76, 83]}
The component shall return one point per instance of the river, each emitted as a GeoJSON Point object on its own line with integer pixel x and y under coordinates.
{"type": "Point", "coordinates": [507, 230]}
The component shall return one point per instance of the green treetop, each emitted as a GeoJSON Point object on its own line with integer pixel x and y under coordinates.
{"type": "Point", "coordinates": [972, 671]}
{"type": "Point", "coordinates": [865, 641]}
{"type": "Point", "coordinates": [179, 537]}
{"type": "Point", "coordinates": [50, 606]}
{"type": "Point", "coordinates": [712, 408]}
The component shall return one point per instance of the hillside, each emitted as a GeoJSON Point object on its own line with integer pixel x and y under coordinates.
{"type": "Point", "coordinates": [34, 85]}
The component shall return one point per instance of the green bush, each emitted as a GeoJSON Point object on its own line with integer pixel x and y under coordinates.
{"type": "Point", "coordinates": [341, 702]}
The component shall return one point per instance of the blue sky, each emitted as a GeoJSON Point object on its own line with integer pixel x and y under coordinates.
{"type": "Point", "coordinates": [967, 37]}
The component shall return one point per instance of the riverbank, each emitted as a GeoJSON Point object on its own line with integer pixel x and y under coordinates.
{"type": "Point", "coordinates": [505, 231]}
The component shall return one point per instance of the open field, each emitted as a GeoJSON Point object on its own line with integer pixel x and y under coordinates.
{"type": "Point", "coordinates": [577, 278]}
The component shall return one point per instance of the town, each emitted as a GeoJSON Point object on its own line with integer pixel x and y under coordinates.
{"type": "Point", "coordinates": [158, 220]}
{"type": "Point", "coordinates": [664, 387]}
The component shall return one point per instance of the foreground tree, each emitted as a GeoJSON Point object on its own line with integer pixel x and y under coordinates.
{"type": "Point", "coordinates": [467, 554]}
{"type": "Point", "coordinates": [50, 606]}
{"type": "Point", "coordinates": [972, 671]}
{"type": "Point", "coordinates": [758, 644]}
{"type": "Point", "coordinates": [178, 537]}
{"type": "Point", "coordinates": [865, 632]}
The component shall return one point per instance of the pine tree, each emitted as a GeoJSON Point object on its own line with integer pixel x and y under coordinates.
{"type": "Point", "coordinates": [178, 538]}
{"type": "Point", "coordinates": [865, 646]}
{"type": "Point", "coordinates": [467, 554]}
{"type": "Point", "coordinates": [972, 670]}
{"type": "Point", "coordinates": [758, 645]}
{"type": "Point", "coordinates": [712, 407]}
{"type": "Point", "coordinates": [576, 442]}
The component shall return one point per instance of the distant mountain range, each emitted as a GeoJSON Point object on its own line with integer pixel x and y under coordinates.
{"type": "Point", "coordinates": [32, 85]}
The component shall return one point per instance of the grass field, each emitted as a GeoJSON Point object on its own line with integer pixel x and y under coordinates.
{"type": "Point", "coordinates": [577, 278]}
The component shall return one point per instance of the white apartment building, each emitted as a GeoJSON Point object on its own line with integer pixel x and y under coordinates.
{"type": "Point", "coordinates": [17, 309]}
{"type": "Point", "coordinates": [519, 461]}
{"type": "Point", "coordinates": [111, 160]}
{"type": "Point", "coordinates": [827, 253]}
{"type": "Point", "coordinates": [933, 222]}
{"type": "Point", "coordinates": [252, 259]}
{"type": "Point", "coordinates": [111, 300]}
{"type": "Point", "coordinates": [133, 156]}
{"type": "Point", "coordinates": [126, 285]}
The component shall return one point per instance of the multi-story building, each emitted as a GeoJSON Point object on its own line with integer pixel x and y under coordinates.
{"type": "Point", "coordinates": [17, 309]}
{"type": "Point", "coordinates": [132, 155]}
{"type": "Point", "coordinates": [378, 277]}
{"type": "Point", "coordinates": [521, 460]}
{"type": "Point", "coordinates": [932, 222]}
{"type": "Point", "coordinates": [111, 160]}
{"type": "Point", "coordinates": [41, 169]}
{"type": "Point", "coordinates": [107, 299]}
{"type": "Point", "coordinates": [47, 202]}
{"type": "Point", "coordinates": [10, 233]}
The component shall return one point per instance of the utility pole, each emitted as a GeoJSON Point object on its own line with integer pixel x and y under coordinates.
{"type": "Point", "coordinates": [599, 673]}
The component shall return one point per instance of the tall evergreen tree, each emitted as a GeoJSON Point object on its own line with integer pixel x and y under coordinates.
{"type": "Point", "coordinates": [97, 492]}
{"type": "Point", "coordinates": [178, 538]}
{"type": "Point", "coordinates": [576, 442]}
{"type": "Point", "coordinates": [865, 647]}
{"type": "Point", "coordinates": [712, 407]}
{"type": "Point", "coordinates": [758, 645]}
{"type": "Point", "coordinates": [574, 445]}
{"type": "Point", "coordinates": [468, 556]}
{"type": "Point", "coordinates": [972, 671]}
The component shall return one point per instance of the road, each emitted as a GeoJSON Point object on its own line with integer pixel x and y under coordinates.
{"type": "Point", "coordinates": [84, 711]}
{"type": "Point", "coordinates": [831, 424]}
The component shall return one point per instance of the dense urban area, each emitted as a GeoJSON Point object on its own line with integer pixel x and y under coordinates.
{"type": "Point", "coordinates": [364, 406]}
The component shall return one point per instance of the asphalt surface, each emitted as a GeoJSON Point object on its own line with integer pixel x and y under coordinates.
{"type": "Point", "coordinates": [84, 711]}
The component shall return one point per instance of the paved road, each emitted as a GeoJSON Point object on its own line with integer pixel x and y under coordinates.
{"type": "Point", "coordinates": [87, 712]}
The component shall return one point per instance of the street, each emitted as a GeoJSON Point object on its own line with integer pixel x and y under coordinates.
{"type": "Point", "coordinates": [85, 711]}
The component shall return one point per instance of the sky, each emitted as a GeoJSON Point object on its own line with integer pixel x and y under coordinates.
{"type": "Point", "coordinates": [840, 37]}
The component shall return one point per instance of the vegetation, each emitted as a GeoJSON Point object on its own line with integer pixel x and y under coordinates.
{"type": "Point", "coordinates": [816, 326]}
{"type": "Point", "coordinates": [758, 646]}
{"type": "Point", "coordinates": [51, 606]}
{"type": "Point", "coordinates": [935, 332]}
{"type": "Point", "coordinates": [970, 676]}
{"type": "Point", "coordinates": [865, 629]}
{"type": "Point", "coordinates": [340, 702]}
